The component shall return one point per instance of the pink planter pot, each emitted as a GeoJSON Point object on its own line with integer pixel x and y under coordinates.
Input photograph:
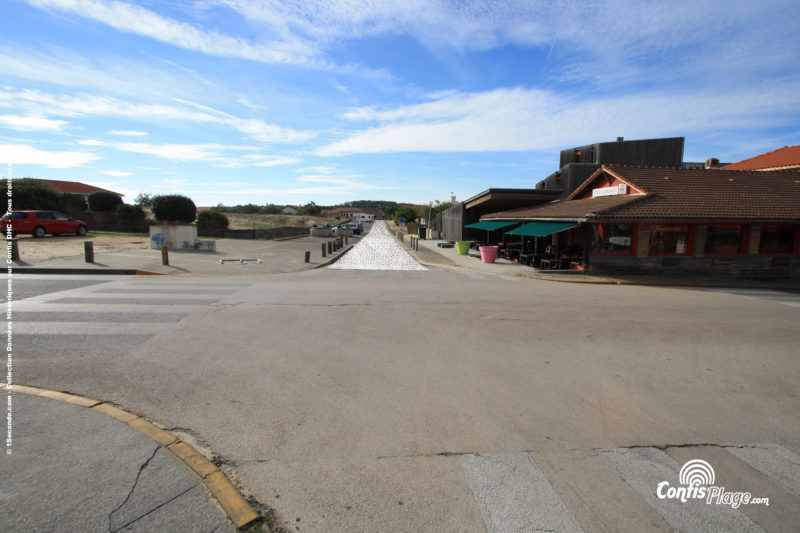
{"type": "Point", "coordinates": [489, 253]}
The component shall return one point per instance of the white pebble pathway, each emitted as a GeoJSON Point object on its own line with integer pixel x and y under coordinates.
{"type": "Point", "coordinates": [378, 250]}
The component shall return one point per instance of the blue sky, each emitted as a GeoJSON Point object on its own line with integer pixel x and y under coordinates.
{"type": "Point", "coordinates": [240, 101]}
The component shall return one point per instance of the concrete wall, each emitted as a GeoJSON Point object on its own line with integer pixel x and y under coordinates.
{"type": "Point", "coordinates": [177, 237]}
{"type": "Point", "coordinates": [272, 233]}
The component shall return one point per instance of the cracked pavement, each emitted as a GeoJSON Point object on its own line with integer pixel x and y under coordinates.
{"type": "Point", "coordinates": [74, 469]}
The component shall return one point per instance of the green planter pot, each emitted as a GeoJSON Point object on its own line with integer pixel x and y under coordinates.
{"type": "Point", "coordinates": [462, 247]}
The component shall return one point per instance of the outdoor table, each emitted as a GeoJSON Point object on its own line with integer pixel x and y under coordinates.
{"type": "Point", "coordinates": [551, 263]}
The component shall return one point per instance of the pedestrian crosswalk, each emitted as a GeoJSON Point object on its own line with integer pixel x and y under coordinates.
{"type": "Point", "coordinates": [124, 312]}
{"type": "Point", "coordinates": [789, 298]}
{"type": "Point", "coordinates": [513, 492]}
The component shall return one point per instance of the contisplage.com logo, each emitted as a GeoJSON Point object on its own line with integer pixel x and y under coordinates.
{"type": "Point", "coordinates": [697, 483]}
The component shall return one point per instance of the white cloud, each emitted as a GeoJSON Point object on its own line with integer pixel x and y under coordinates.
{"type": "Point", "coordinates": [30, 123]}
{"type": "Point", "coordinates": [107, 106]}
{"type": "Point", "coordinates": [220, 155]}
{"type": "Point", "coordinates": [91, 142]}
{"type": "Point", "coordinates": [128, 133]}
{"type": "Point", "coordinates": [116, 173]}
{"type": "Point", "coordinates": [21, 154]}
{"type": "Point", "coordinates": [176, 181]}
{"type": "Point", "coordinates": [529, 119]}
{"type": "Point", "coordinates": [138, 20]}
{"type": "Point", "coordinates": [177, 152]}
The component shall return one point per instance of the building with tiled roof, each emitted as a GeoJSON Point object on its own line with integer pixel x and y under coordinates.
{"type": "Point", "coordinates": [730, 222]}
{"type": "Point", "coordinates": [786, 158]}
{"type": "Point", "coordinates": [76, 187]}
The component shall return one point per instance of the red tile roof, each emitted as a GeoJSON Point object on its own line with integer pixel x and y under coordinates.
{"type": "Point", "coordinates": [76, 187]}
{"type": "Point", "coordinates": [683, 194]}
{"type": "Point", "coordinates": [782, 158]}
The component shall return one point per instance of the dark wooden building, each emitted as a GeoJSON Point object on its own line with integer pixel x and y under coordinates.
{"type": "Point", "coordinates": [577, 164]}
{"type": "Point", "coordinates": [450, 224]}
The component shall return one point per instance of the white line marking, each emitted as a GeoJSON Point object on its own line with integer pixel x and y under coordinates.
{"type": "Point", "coordinates": [775, 462]}
{"type": "Point", "coordinates": [514, 495]}
{"type": "Point", "coordinates": [644, 468]}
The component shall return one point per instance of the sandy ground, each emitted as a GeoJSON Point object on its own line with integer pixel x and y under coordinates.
{"type": "Point", "coordinates": [71, 245]}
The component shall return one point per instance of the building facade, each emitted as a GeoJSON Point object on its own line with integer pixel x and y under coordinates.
{"type": "Point", "coordinates": [743, 224]}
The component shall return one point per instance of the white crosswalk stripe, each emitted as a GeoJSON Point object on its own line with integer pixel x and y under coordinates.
{"type": "Point", "coordinates": [130, 310]}
{"type": "Point", "coordinates": [514, 494]}
{"type": "Point", "coordinates": [789, 298]}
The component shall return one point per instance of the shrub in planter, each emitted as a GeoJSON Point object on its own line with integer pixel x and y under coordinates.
{"type": "Point", "coordinates": [211, 220]}
{"type": "Point", "coordinates": [174, 208]}
{"type": "Point", "coordinates": [103, 202]}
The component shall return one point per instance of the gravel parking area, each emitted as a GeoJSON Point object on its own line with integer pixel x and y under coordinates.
{"type": "Point", "coordinates": [378, 250]}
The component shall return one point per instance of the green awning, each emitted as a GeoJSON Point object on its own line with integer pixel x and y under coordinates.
{"type": "Point", "coordinates": [541, 229]}
{"type": "Point", "coordinates": [490, 225]}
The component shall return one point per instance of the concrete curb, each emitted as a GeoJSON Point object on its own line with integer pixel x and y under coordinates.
{"type": "Point", "coordinates": [333, 259]}
{"type": "Point", "coordinates": [232, 502]}
{"type": "Point", "coordinates": [82, 271]}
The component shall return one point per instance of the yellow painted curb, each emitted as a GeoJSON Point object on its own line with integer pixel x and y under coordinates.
{"type": "Point", "coordinates": [54, 395]}
{"type": "Point", "coordinates": [231, 501]}
{"type": "Point", "coordinates": [193, 459]}
{"type": "Point", "coordinates": [234, 504]}
{"type": "Point", "coordinates": [115, 412]}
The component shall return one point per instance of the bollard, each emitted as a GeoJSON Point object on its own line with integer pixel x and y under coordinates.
{"type": "Point", "coordinates": [341, 242]}
{"type": "Point", "coordinates": [164, 255]}
{"type": "Point", "coordinates": [88, 252]}
{"type": "Point", "coordinates": [323, 250]}
{"type": "Point", "coordinates": [308, 256]}
{"type": "Point", "coordinates": [15, 249]}
{"type": "Point", "coordinates": [346, 240]}
{"type": "Point", "coordinates": [330, 247]}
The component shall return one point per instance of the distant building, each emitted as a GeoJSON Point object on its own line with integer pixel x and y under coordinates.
{"type": "Point", "coordinates": [786, 158]}
{"type": "Point", "coordinates": [362, 213]}
{"type": "Point", "coordinates": [290, 209]}
{"type": "Point", "coordinates": [76, 187]}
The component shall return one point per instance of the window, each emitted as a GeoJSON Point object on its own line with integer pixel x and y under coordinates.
{"type": "Point", "coordinates": [616, 239]}
{"type": "Point", "coordinates": [45, 216]}
{"type": "Point", "coordinates": [59, 216]}
{"type": "Point", "coordinates": [724, 239]}
{"type": "Point", "coordinates": [15, 215]}
{"type": "Point", "coordinates": [777, 239]}
{"type": "Point", "coordinates": [668, 240]}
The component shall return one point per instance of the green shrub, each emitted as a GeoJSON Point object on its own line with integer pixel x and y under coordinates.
{"type": "Point", "coordinates": [72, 202]}
{"type": "Point", "coordinates": [128, 213]}
{"type": "Point", "coordinates": [211, 220]}
{"type": "Point", "coordinates": [174, 208]}
{"type": "Point", "coordinates": [103, 202]}
{"type": "Point", "coordinates": [408, 213]}
{"type": "Point", "coordinates": [27, 193]}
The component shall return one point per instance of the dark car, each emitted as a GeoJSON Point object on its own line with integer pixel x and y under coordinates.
{"type": "Point", "coordinates": [39, 223]}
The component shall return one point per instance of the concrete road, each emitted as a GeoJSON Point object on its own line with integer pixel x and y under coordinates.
{"type": "Point", "coordinates": [447, 400]}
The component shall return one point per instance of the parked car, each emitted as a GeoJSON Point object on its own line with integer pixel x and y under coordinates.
{"type": "Point", "coordinates": [357, 227]}
{"type": "Point", "coordinates": [38, 223]}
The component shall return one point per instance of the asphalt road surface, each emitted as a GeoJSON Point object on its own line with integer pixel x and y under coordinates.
{"type": "Point", "coordinates": [448, 400]}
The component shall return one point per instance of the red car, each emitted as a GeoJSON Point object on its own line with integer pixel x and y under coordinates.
{"type": "Point", "coordinates": [39, 223]}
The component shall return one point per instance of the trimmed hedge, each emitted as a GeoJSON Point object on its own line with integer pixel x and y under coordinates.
{"type": "Point", "coordinates": [174, 208]}
{"type": "Point", "coordinates": [103, 202]}
{"type": "Point", "coordinates": [211, 220]}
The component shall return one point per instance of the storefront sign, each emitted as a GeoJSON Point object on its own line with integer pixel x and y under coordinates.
{"type": "Point", "coordinates": [610, 191]}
